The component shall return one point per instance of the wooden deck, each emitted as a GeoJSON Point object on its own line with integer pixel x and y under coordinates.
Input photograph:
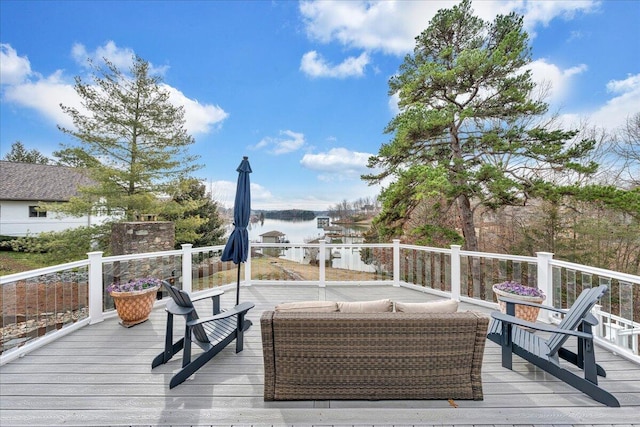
{"type": "Point", "coordinates": [101, 375]}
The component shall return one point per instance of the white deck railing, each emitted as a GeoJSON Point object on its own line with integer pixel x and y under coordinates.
{"type": "Point", "coordinates": [41, 305]}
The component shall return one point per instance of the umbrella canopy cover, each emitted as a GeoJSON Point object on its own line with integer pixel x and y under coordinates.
{"type": "Point", "coordinates": [237, 248]}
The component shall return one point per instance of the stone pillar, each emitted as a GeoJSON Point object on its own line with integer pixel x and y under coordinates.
{"type": "Point", "coordinates": [141, 237]}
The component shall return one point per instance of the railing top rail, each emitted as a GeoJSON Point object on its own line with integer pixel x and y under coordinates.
{"type": "Point", "coordinates": [317, 245]}
{"type": "Point", "coordinates": [284, 245]}
{"type": "Point", "coordinates": [207, 248]}
{"type": "Point", "coordinates": [499, 256]}
{"type": "Point", "coordinates": [364, 245]}
{"type": "Point", "coordinates": [113, 258]}
{"type": "Point", "coordinates": [625, 277]}
{"type": "Point", "coordinates": [10, 278]}
{"type": "Point", "coordinates": [425, 248]}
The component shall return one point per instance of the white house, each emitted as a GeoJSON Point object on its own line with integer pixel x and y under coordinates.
{"type": "Point", "coordinates": [25, 186]}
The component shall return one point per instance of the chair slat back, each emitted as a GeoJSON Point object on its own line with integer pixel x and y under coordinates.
{"type": "Point", "coordinates": [182, 299]}
{"type": "Point", "coordinates": [578, 311]}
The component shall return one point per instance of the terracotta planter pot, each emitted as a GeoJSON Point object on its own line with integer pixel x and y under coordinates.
{"type": "Point", "coordinates": [524, 312]}
{"type": "Point", "coordinates": [134, 307]}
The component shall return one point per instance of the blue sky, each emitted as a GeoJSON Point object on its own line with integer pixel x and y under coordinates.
{"type": "Point", "coordinates": [300, 88]}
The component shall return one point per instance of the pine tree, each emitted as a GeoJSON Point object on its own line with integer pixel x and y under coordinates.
{"type": "Point", "coordinates": [131, 136]}
{"type": "Point", "coordinates": [19, 153]}
{"type": "Point", "coordinates": [468, 112]}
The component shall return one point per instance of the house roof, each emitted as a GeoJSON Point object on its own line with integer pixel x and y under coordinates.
{"type": "Point", "coordinates": [45, 183]}
{"type": "Point", "coordinates": [273, 233]}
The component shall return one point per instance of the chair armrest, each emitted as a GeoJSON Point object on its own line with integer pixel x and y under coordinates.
{"type": "Point", "coordinates": [212, 294]}
{"type": "Point", "coordinates": [533, 304]}
{"type": "Point", "coordinates": [537, 326]}
{"type": "Point", "coordinates": [238, 309]}
{"type": "Point", "coordinates": [175, 309]}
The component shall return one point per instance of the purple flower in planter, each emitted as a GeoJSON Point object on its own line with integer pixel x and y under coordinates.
{"type": "Point", "coordinates": [519, 289]}
{"type": "Point", "coordinates": [134, 285]}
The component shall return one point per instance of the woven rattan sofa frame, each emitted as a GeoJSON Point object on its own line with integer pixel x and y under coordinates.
{"type": "Point", "coordinates": [349, 356]}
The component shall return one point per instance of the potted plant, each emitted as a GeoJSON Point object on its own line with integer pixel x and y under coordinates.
{"type": "Point", "coordinates": [134, 299]}
{"type": "Point", "coordinates": [517, 290]}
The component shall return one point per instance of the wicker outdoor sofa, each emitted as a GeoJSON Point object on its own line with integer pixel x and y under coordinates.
{"type": "Point", "coordinates": [372, 356]}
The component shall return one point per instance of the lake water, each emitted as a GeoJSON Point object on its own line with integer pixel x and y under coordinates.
{"type": "Point", "coordinates": [295, 231]}
{"type": "Point", "coordinates": [301, 231]}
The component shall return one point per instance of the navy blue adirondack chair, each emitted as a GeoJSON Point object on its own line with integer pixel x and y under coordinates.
{"type": "Point", "coordinates": [516, 336]}
{"type": "Point", "coordinates": [211, 334]}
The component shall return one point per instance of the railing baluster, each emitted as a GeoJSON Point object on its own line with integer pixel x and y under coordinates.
{"type": "Point", "coordinates": [96, 289]}
{"type": "Point", "coordinates": [187, 266]}
{"type": "Point", "coordinates": [455, 272]}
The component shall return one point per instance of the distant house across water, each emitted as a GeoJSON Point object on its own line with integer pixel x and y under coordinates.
{"type": "Point", "coordinates": [273, 237]}
{"type": "Point", "coordinates": [323, 221]}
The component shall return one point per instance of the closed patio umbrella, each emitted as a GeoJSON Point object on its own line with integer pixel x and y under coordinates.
{"type": "Point", "coordinates": [237, 248]}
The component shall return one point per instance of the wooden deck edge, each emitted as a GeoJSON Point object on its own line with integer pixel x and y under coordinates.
{"type": "Point", "coordinates": [346, 415]}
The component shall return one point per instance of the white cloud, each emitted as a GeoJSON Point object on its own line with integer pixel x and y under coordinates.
{"type": "Point", "coordinates": [614, 113]}
{"type": "Point", "coordinates": [199, 118]}
{"type": "Point", "coordinates": [288, 141]}
{"type": "Point", "coordinates": [314, 65]}
{"type": "Point", "coordinates": [394, 101]}
{"type": "Point", "coordinates": [14, 69]}
{"type": "Point", "coordinates": [543, 12]}
{"type": "Point", "coordinates": [391, 26]}
{"type": "Point", "coordinates": [28, 89]}
{"type": "Point", "coordinates": [45, 95]}
{"type": "Point", "coordinates": [386, 26]}
{"type": "Point", "coordinates": [560, 80]}
{"type": "Point", "coordinates": [629, 85]}
{"type": "Point", "coordinates": [337, 164]}
{"type": "Point", "coordinates": [332, 164]}
{"type": "Point", "coordinates": [224, 192]}
{"type": "Point", "coordinates": [122, 58]}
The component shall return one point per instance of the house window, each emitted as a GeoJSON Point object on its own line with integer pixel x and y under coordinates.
{"type": "Point", "coordinates": [34, 212]}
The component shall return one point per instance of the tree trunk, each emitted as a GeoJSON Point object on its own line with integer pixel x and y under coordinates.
{"type": "Point", "coordinates": [470, 242]}
{"type": "Point", "coordinates": [468, 225]}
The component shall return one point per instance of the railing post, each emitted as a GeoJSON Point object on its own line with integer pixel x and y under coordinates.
{"type": "Point", "coordinates": [322, 256]}
{"type": "Point", "coordinates": [96, 291]}
{"type": "Point", "coordinates": [247, 269]}
{"type": "Point", "coordinates": [396, 262]}
{"type": "Point", "coordinates": [186, 267]}
{"type": "Point", "coordinates": [545, 282]}
{"type": "Point", "coordinates": [455, 272]}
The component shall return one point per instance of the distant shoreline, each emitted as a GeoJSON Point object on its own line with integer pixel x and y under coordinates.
{"type": "Point", "coordinates": [362, 222]}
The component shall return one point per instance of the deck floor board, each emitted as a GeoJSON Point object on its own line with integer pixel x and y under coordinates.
{"type": "Point", "coordinates": [101, 375]}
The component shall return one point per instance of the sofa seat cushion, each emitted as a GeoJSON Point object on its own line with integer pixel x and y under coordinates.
{"type": "Point", "coordinates": [378, 306]}
{"type": "Point", "coordinates": [308, 307]}
{"type": "Point", "coordinates": [445, 306]}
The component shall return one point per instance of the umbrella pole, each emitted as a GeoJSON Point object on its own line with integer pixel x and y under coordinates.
{"type": "Point", "coordinates": [238, 287]}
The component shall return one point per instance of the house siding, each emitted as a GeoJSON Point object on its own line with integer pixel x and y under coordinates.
{"type": "Point", "coordinates": [15, 220]}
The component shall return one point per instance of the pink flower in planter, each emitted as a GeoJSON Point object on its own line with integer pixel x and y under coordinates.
{"type": "Point", "coordinates": [519, 289]}
{"type": "Point", "coordinates": [134, 285]}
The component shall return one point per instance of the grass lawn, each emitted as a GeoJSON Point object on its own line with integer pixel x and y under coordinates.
{"type": "Point", "coordinates": [275, 268]}
{"type": "Point", "coordinates": [16, 262]}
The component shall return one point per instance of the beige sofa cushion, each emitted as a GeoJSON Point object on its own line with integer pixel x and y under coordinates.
{"type": "Point", "coordinates": [446, 306]}
{"type": "Point", "coordinates": [378, 306]}
{"type": "Point", "coordinates": [308, 306]}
